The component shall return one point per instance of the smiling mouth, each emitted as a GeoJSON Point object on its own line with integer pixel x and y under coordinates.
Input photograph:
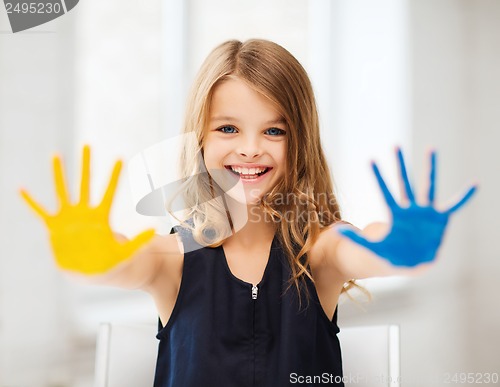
{"type": "Point", "coordinates": [248, 173]}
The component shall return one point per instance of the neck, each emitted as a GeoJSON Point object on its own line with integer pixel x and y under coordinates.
{"type": "Point", "coordinates": [252, 227]}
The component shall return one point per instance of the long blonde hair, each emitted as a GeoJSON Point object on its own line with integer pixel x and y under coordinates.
{"type": "Point", "coordinates": [273, 72]}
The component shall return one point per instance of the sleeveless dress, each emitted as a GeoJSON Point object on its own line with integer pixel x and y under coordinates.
{"type": "Point", "coordinates": [226, 332]}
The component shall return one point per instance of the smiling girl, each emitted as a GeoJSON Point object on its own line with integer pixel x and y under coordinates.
{"type": "Point", "coordinates": [248, 285]}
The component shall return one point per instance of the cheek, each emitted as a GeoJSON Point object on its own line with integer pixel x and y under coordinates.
{"type": "Point", "coordinates": [215, 145]}
{"type": "Point", "coordinates": [211, 153]}
{"type": "Point", "coordinates": [280, 156]}
{"type": "Point", "coordinates": [207, 155]}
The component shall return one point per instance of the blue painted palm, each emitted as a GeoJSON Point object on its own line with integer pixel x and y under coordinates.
{"type": "Point", "coordinates": [416, 230]}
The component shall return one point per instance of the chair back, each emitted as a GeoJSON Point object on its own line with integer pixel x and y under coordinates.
{"type": "Point", "coordinates": [126, 355]}
{"type": "Point", "coordinates": [370, 356]}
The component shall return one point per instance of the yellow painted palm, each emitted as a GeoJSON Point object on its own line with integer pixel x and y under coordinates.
{"type": "Point", "coordinates": [80, 235]}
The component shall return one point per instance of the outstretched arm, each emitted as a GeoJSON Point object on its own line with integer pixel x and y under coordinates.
{"type": "Point", "coordinates": [82, 240]}
{"type": "Point", "coordinates": [406, 244]}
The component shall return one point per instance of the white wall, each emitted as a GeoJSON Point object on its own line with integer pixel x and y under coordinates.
{"type": "Point", "coordinates": [484, 258]}
{"type": "Point", "coordinates": [212, 22]}
{"type": "Point", "coordinates": [456, 98]}
{"type": "Point", "coordinates": [36, 117]}
{"type": "Point", "coordinates": [88, 76]}
{"type": "Point", "coordinates": [449, 317]}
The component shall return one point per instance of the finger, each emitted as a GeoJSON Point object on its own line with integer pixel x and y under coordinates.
{"type": "Point", "coordinates": [139, 241]}
{"type": "Point", "coordinates": [61, 190]}
{"type": "Point", "coordinates": [385, 191]}
{"type": "Point", "coordinates": [39, 210]}
{"type": "Point", "coordinates": [85, 183]}
{"type": "Point", "coordinates": [404, 176]}
{"type": "Point", "coordinates": [107, 200]}
{"type": "Point", "coordinates": [354, 236]}
{"type": "Point", "coordinates": [465, 198]}
{"type": "Point", "coordinates": [432, 179]}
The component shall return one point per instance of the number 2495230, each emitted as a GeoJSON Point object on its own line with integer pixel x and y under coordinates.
{"type": "Point", "coordinates": [33, 7]}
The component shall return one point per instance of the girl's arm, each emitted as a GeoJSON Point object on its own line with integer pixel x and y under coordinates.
{"type": "Point", "coordinates": [84, 244]}
{"type": "Point", "coordinates": [405, 246]}
{"type": "Point", "coordinates": [161, 257]}
{"type": "Point", "coordinates": [353, 261]}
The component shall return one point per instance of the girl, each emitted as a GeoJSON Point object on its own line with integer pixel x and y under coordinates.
{"type": "Point", "coordinates": [248, 286]}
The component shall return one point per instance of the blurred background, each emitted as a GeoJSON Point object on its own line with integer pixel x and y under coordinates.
{"type": "Point", "coordinates": [115, 73]}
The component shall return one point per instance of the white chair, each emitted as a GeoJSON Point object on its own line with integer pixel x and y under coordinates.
{"type": "Point", "coordinates": [370, 356]}
{"type": "Point", "coordinates": [126, 355]}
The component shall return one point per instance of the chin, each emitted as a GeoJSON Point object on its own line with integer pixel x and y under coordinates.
{"type": "Point", "coordinates": [247, 200]}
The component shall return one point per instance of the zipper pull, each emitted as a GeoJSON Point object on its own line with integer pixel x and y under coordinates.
{"type": "Point", "coordinates": [255, 290]}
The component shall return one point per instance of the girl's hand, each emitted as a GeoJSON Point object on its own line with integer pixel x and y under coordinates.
{"type": "Point", "coordinates": [417, 230]}
{"type": "Point", "coordinates": [80, 235]}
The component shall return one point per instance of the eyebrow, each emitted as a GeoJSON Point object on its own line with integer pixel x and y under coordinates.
{"type": "Point", "coordinates": [279, 120]}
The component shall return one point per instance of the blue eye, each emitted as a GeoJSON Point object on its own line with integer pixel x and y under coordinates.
{"type": "Point", "coordinates": [227, 129]}
{"type": "Point", "coordinates": [275, 131]}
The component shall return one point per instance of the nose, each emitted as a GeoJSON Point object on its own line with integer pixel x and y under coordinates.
{"type": "Point", "coordinates": [249, 147]}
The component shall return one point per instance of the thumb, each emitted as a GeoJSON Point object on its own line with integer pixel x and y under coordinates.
{"type": "Point", "coordinates": [140, 240]}
{"type": "Point", "coordinates": [353, 235]}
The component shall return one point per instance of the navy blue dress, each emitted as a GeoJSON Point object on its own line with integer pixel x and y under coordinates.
{"type": "Point", "coordinates": [224, 332]}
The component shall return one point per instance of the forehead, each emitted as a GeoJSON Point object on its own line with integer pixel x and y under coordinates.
{"type": "Point", "coordinates": [235, 98]}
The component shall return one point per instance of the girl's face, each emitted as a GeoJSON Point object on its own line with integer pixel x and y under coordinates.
{"type": "Point", "coordinates": [245, 142]}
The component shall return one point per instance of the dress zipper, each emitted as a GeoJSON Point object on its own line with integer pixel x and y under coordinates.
{"type": "Point", "coordinates": [255, 290]}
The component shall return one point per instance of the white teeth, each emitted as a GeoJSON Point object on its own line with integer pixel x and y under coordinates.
{"type": "Point", "coordinates": [247, 171]}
